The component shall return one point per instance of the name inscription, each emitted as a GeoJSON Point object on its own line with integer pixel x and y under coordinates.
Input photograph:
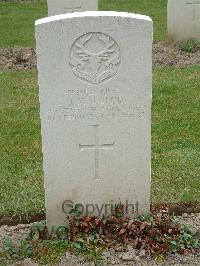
{"type": "Point", "coordinates": [83, 104]}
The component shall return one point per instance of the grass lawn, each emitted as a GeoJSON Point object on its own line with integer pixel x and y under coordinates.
{"type": "Point", "coordinates": [21, 183]}
{"type": "Point", "coordinates": [176, 143]}
{"type": "Point", "coordinates": [176, 139]}
{"type": "Point", "coordinates": [17, 23]}
{"type": "Point", "coordinates": [17, 19]}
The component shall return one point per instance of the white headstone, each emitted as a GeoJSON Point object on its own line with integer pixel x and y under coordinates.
{"type": "Point", "coordinates": [183, 19]}
{"type": "Point", "coordinates": [56, 7]}
{"type": "Point", "coordinates": [95, 71]}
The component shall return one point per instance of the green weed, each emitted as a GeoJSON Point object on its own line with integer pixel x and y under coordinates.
{"type": "Point", "coordinates": [189, 46]}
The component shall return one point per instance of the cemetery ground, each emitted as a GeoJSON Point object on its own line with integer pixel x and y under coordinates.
{"type": "Point", "coordinates": [175, 123]}
{"type": "Point", "coordinates": [175, 127]}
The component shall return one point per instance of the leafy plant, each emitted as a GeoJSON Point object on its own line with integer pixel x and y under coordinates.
{"type": "Point", "coordinates": [20, 250]}
{"type": "Point", "coordinates": [183, 242]}
{"type": "Point", "coordinates": [189, 45]}
{"type": "Point", "coordinates": [63, 232]}
{"type": "Point", "coordinates": [186, 240]}
{"type": "Point", "coordinates": [49, 251]}
{"type": "Point", "coordinates": [38, 231]}
{"type": "Point", "coordinates": [79, 244]}
{"type": "Point", "coordinates": [89, 246]}
{"type": "Point", "coordinates": [146, 217]}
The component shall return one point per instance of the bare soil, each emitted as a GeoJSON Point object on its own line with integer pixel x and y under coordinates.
{"type": "Point", "coordinates": [163, 56]}
{"type": "Point", "coordinates": [17, 58]}
{"type": "Point", "coordinates": [177, 209]}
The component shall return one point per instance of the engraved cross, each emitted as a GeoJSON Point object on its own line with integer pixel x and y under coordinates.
{"type": "Point", "coordinates": [194, 5]}
{"type": "Point", "coordinates": [96, 147]}
{"type": "Point", "coordinates": [73, 7]}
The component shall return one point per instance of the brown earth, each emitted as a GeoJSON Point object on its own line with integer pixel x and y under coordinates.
{"type": "Point", "coordinates": [163, 55]}
{"type": "Point", "coordinates": [17, 58]}
{"type": "Point", "coordinates": [177, 209]}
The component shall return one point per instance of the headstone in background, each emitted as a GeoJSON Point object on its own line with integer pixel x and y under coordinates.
{"type": "Point", "coordinates": [183, 20]}
{"type": "Point", "coordinates": [56, 7]}
{"type": "Point", "coordinates": [95, 72]}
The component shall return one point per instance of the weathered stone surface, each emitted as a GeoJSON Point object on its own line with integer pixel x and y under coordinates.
{"type": "Point", "coordinates": [56, 7]}
{"type": "Point", "coordinates": [95, 71]}
{"type": "Point", "coordinates": [183, 19]}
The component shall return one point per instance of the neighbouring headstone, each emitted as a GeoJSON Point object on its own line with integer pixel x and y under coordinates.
{"type": "Point", "coordinates": [56, 7]}
{"type": "Point", "coordinates": [183, 20]}
{"type": "Point", "coordinates": [95, 71]}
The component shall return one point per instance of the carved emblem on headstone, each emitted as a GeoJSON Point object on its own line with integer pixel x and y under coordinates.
{"type": "Point", "coordinates": [95, 57]}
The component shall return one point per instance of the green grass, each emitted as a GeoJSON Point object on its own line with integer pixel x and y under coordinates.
{"type": "Point", "coordinates": [176, 140]}
{"type": "Point", "coordinates": [17, 19]}
{"type": "Point", "coordinates": [176, 143]}
{"type": "Point", "coordinates": [21, 183]}
{"type": "Point", "coordinates": [17, 23]}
